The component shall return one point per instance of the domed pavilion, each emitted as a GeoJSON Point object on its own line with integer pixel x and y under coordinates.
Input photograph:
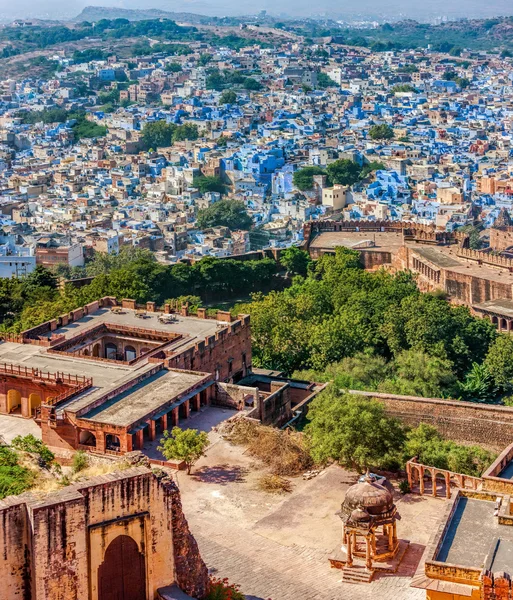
{"type": "Point", "coordinates": [369, 516]}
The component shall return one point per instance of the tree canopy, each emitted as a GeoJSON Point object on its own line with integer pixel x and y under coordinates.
{"type": "Point", "coordinates": [184, 444]}
{"type": "Point", "coordinates": [229, 213]}
{"type": "Point", "coordinates": [381, 132]}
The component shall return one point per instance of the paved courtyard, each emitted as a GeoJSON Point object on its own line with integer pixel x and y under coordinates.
{"type": "Point", "coordinates": [11, 426]}
{"type": "Point", "coordinates": [278, 546]}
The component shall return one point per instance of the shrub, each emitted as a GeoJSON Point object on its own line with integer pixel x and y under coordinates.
{"type": "Point", "coordinates": [222, 589]}
{"type": "Point", "coordinates": [31, 444]}
{"type": "Point", "coordinates": [80, 461]}
{"type": "Point", "coordinates": [404, 486]}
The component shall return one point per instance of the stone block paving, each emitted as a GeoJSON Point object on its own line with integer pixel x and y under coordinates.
{"type": "Point", "coordinates": [266, 569]}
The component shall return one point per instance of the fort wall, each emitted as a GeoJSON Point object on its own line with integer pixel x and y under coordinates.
{"type": "Point", "coordinates": [468, 422]}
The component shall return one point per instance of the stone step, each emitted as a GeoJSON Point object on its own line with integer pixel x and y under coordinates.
{"type": "Point", "coordinates": [356, 574]}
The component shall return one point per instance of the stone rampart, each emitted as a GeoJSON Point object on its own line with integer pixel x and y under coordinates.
{"type": "Point", "coordinates": [488, 425]}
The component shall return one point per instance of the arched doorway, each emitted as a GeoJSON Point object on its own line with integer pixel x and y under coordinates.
{"type": "Point", "coordinates": [13, 400]}
{"type": "Point", "coordinates": [122, 574]}
{"type": "Point", "coordinates": [112, 442]}
{"type": "Point", "coordinates": [96, 350]}
{"type": "Point", "coordinates": [34, 402]}
{"type": "Point", "coordinates": [130, 353]}
{"type": "Point", "coordinates": [87, 438]}
{"type": "Point", "coordinates": [111, 351]}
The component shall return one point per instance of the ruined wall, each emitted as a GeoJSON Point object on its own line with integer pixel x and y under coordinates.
{"type": "Point", "coordinates": [486, 425]}
{"type": "Point", "coordinates": [234, 396]}
{"type": "Point", "coordinates": [70, 531]}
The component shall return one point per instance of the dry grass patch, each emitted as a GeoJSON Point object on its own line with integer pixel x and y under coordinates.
{"type": "Point", "coordinates": [274, 484]}
{"type": "Point", "coordinates": [284, 452]}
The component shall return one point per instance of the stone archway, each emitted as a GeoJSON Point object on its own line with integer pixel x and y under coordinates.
{"type": "Point", "coordinates": [130, 353]}
{"type": "Point", "coordinates": [96, 350]}
{"type": "Point", "coordinates": [34, 401]}
{"type": "Point", "coordinates": [13, 401]}
{"type": "Point", "coordinates": [111, 351]}
{"type": "Point", "coordinates": [122, 574]}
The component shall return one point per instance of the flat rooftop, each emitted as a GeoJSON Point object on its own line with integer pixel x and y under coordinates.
{"type": "Point", "coordinates": [382, 241]}
{"type": "Point", "coordinates": [501, 307]}
{"type": "Point", "coordinates": [445, 257]}
{"type": "Point", "coordinates": [145, 397]}
{"type": "Point", "coordinates": [196, 329]}
{"type": "Point", "coordinates": [473, 533]}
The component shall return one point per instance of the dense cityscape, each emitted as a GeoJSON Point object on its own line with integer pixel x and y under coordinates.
{"type": "Point", "coordinates": [256, 307]}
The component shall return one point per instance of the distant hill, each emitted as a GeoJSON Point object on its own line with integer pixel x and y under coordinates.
{"type": "Point", "coordinates": [95, 13]}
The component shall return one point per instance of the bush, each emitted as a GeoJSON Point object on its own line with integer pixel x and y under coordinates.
{"type": "Point", "coordinates": [222, 589]}
{"type": "Point", "coordinates": [80, 461]}
{"type": "Point", "coordinates": [404, 486]}
{"type": "Point", "coordinates": [31, 444]}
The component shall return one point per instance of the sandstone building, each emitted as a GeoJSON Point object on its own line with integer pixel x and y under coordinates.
{"type": "Point", "coordinates": [106, 377]}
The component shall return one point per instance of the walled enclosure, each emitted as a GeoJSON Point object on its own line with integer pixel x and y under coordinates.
{"type": "Point", "coordinates": [57, 548]}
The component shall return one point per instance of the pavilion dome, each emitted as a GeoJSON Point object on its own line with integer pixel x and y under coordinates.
{"type": "Point", "coordinates": [368, 496]}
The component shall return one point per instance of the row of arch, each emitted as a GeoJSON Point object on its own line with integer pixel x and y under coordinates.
{"type": "Point", "coordinates": [14, 402]}
{"type": "Point", "coordinates": [501, 323]}
{"type": "Point", "coordinates": [428, 479]}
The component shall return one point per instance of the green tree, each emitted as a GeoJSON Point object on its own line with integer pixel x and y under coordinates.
{"type": "Point", "coordinates": [184, 444]}
{"type": "Point", "coordinates": [344, 172]}
{"type": "Point", "coordinates": [303, 178]}
{"type": "Point", "coordinates": [31, 444]}
{"type": "Point", "coordinates": [381, 132]}
{"type": "Point", "coordinates": [157, 134]}
{"type": "Point", "coordinates": [174, 67]}
{"type": "Point", "coordinates": [418, 374]}
{"type": "Point", "coordinates": [353, 431]}
{"type": "Point", "coordinates": [209, 184]}
{"type": "Point", "coordinates": [252, 84]}
{"type": "Point", "coordinates": [187, 131]}
{"type": "Point", "coordinates": [325, 81]}
{"type": "Point", "coordinates": [228, 97]}
{"type": "Point", "coordinates": [228, 213]}
{"type": "Point", "coordinates": [499, 361]}
{"type": "Point", "coordinates": [295, 260]}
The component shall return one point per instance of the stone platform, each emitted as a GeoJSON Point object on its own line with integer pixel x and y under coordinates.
{"type": "Point", "coordinates": [339, 558]}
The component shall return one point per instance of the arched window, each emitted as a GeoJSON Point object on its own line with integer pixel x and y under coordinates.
{"type": "Point", "coordinates": [111, 351]}
{"type": "Point", "coordinates": [87, 438]}
{"type": "Point", "coordinates": [96, 350]}
{"type": "Point", "coordinates": [130, 353]}
{"type": "Point", "coordinates": [112, 442]}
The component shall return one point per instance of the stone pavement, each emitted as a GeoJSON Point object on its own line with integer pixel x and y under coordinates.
{"type": "Point", "coordinates": [265, 569]}
{"type": "Point", "coordinates": [278, 546]}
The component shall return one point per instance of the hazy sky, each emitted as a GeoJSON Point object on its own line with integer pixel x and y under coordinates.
{"type": "Point", "coordinates": [411, 8]}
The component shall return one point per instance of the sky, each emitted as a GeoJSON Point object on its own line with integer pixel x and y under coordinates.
{"type": "Point", "coordinates": [62, 9]}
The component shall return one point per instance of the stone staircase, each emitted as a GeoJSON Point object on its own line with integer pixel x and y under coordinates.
{"type": "Point", "coordinates": [356, 574]}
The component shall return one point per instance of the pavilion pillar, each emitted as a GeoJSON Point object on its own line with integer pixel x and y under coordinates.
{"type": "Point", "coordinates": [433, 479]}
{"type": "Point", "coordinates": [390, 532]}
{"type": "Point", "coordinates": [421, 480]}
{"type": "Point", "coordinates": [196, 402]}
{"type": "Point", "coordinates": [447, 486]}
{"type": "Point", "coordinates": [187, 408]}
{"type": "Point", "coordinates": [394, 533]}
{"type": "Point", "coordinates": [163, 422]}
{"type": "Point", "coordinates": [368, 559]}
{"type": "Point", "coordinates": [349, 561]}
{"type": "Point", "coordinates": [174, 417]}
{"type": "Point", "coordinates": [139, 436]}
{"type": "Point", "coordinates": [151, 424]}
{"type": "Point", "coordinates": [373, 545]}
